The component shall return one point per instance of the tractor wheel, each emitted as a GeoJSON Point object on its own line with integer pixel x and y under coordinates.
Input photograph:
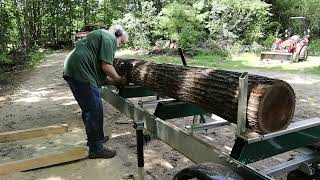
{"type": "Point", "coordinates": [207, 171]}
{"type": "Point", "coordinates": [303, 54]}
{"type": "Point", "coordinates": [295, 57]}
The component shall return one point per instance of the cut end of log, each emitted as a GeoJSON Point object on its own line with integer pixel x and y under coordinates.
{"type": "Point", "coordinates": [276, 108]}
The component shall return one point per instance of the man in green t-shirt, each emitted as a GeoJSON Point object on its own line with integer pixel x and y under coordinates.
{"type": "Point", "coordinates": [86, 69]}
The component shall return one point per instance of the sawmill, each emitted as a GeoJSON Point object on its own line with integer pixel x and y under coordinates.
{"type": "Point", "coordinates": [160, 90]}
{"type": "Point", "coordinates": [261, 108]}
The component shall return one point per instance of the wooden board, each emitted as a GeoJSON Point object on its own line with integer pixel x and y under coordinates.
{"type": "Point", "coordinates": [67, 155]}
{"type": "Point", "coordinates": [32, 133]}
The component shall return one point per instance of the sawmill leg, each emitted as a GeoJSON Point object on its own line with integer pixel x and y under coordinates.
{"type": "Point", "coordinates": [139, 133]}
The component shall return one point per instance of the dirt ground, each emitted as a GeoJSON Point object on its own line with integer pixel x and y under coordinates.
{"type": "Point", "coordinates": [43, 98]}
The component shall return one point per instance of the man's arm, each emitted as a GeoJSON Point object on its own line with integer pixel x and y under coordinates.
{"type": "Point", "coordinates": [112, 73]}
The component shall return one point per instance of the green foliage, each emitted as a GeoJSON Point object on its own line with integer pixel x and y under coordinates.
{"type": "Point", "coordinates": [4, 59]}
{"type": "Point", "coordinates": [36, 57]}
{"type": "Point", "coordinates": [137, 37]}
{"type": "Point", "coordinates": [139, 25]}
{"type": "Point", "coordinates": [211, 47]}
{"type": "Point", "coordinates": [202, 26]}
{"type": "Point", "coordinates": [267, 43]}
{"type": "Point", "coordinates": [110, 10]}
{"type": "Point", "coordinates": [179, 23]}
{"type": "Point", "coordinates": [237, 20]}
{"type": "Point", "coordinates": [284, 9]}
{"type": "Point", "coordinates": [314, 46]}
{"type": "Point", "coordinates": [189, 37]}
{"type": "Point", "coordinates": [5, 25]}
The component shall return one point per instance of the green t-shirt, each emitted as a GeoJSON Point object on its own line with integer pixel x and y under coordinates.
{"type": "Point", "coordinates": [84, 62]}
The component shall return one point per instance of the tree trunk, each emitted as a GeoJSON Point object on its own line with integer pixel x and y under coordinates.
{"type": "Point", "coordinates": [271, 102]}
{"type": "Point", "coordinates": [18, 21]}
{"type": "Point", "coordinates": [39, 23]}
{"type": "Point", "coordinates": [26, 27]}
{"type": "Point", "coordinates": [85, 9]}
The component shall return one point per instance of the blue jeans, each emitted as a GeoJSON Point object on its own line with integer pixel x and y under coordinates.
{"type": "Point", "coordinates": [89, 100]}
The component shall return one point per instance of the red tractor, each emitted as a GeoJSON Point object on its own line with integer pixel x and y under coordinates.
{"type": "Point", "coordinates": [295, 47]}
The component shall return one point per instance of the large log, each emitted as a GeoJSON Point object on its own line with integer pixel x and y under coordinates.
{"type": "Point", "coordinates": [271, 102]}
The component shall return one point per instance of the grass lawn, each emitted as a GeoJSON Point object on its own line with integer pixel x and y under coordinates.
{"type": "Point", "coordinates": [235, 61]}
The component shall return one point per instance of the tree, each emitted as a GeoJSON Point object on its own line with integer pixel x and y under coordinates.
{"type": "Point", "coordinates": [110, 10]}
{"type": "Point", "coordinates": [234, 20]}
{"type": "Point", "coordinates": [5, 25]}
{"type": "Point", "coordinates": [179, 23]}
{"type": "Point", "coordinates": [282, 10]}
{"type": "Point", "coordinates": [140, 25]}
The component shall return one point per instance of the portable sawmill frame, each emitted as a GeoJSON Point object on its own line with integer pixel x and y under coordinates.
{"type": "Point", "coordinates": [248, 147]}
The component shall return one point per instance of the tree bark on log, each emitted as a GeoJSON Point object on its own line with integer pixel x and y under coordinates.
{"type": "Point", "coordinates": [271, 102]}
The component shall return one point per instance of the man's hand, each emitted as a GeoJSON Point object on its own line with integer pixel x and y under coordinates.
{"type": "Point", "coordinates": [122, 82]}
{"type": "Point", "coordinates": [119, 81]}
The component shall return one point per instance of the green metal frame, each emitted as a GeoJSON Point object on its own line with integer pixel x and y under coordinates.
{"type": "Point", "coordinates": [135, 91]}
{"type": "Point", "coordinates": [192, 147]}
{"type": "Point", "coordinates": [164, 110]}
{"type": "Point", "coordinates": [248, 151]}
{"type": "Point", "coordinates": [245, 150]}
{"type": "Point", "coordinates": [176, 109]}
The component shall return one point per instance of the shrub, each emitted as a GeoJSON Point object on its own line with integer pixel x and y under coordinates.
{"type": "Point", "coordinates": [179, 23]}
{"type": "Point", "coordinates": [314, 46]}
{"type": "Point", "coordinates": [139, 26]}
{"type": "Point", "coordinates": [237, 20]}
{"type": "Point", "coordinates": [4, 59]}
{"type": "Point", "coordinates": [267, 43]}
{"type": "Point", "coordinates": [36, 56]}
